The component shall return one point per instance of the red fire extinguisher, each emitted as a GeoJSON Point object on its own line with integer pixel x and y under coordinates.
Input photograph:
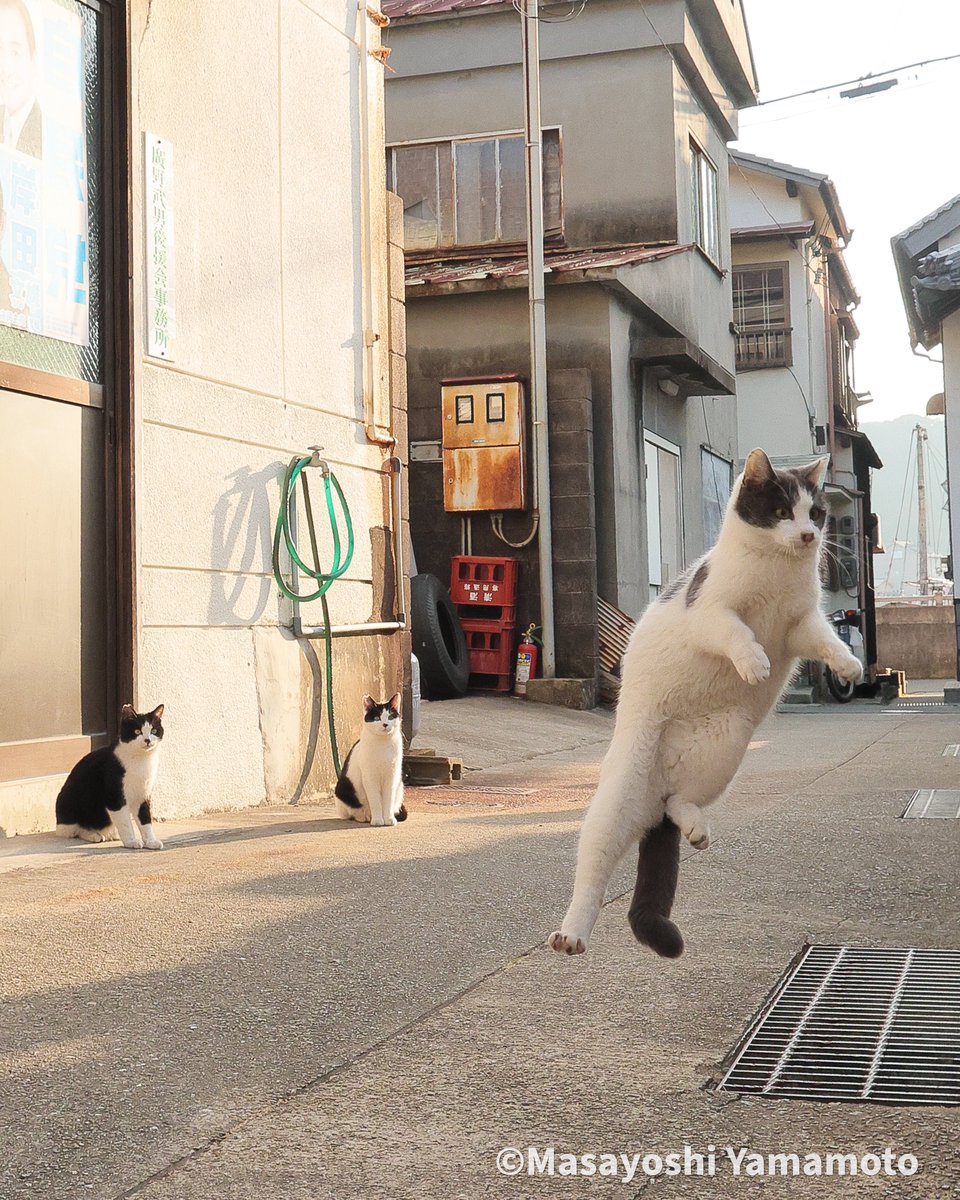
{"type": "Point", "coordinates": [526, 662]}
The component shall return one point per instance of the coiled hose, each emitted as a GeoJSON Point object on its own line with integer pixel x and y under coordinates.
{"type": "Point", "coordinates": [296, 470]}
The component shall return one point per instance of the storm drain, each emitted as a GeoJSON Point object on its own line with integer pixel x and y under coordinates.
{"type": "Point", "coordinates": [849, 1023]}
{"type": "Point", "coordinates": [951, 751]}
{"type": "Point", "coordinates": [934, 802]}
{"type": "Point", "coordinates": [908, 706]}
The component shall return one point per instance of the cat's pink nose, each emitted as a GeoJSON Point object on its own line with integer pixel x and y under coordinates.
{"type": "Point", "coordinates": [807, 537]}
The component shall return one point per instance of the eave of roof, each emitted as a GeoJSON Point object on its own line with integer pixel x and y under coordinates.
{"type": "Point", "coordinates": [753, 233]}
{"type": "Point", "coordinates": [800, 175]}
{"type": "Point", "coordinates": [397, 10]}
{"type": "Point", "coordinates": [477, 268]}
{"type": "Point", "coordinates": [908, 248]}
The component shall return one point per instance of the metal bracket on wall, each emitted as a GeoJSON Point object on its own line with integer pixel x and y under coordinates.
{"type": "Point", "coordinates": [394, 466]}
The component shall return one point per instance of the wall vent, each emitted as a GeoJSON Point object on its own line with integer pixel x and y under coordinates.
{"type": "Point", "coordinates": [849, 1023]}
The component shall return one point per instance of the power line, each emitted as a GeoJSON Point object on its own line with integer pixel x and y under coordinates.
{"type": "Point", "coordinates": [869, 77]}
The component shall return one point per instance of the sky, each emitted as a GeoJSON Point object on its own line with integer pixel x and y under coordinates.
{"type": "Point", "coordinates": [892, 156]}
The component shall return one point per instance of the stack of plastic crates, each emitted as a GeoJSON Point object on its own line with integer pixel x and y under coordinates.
{"type": "Point", "coordinates": [485, 593]}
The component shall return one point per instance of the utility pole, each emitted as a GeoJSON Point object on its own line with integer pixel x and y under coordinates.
{"type": "Point", "coordinates": [923, 562]}
{"type": "Point", "coordinates": [530, 30]}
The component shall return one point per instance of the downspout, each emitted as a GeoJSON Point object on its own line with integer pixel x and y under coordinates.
{"type": "Point", "coordinates": [376, 433]}
{"type": "Point", "coordinates": [530, 31]}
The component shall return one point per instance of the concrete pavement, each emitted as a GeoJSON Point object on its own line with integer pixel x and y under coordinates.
{"type": "Point", "coordinates": [281, 1005]}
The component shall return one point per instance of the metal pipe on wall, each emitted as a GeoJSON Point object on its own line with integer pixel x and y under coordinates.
{"type": "Point", "coordinates": [533, 138]}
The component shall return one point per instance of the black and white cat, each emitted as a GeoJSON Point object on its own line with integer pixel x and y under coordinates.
{"type": "Point", "coordinates": [107, 794]}
{"type": "Point", "coordinates": [370, 787]}
{"type": "Point", "coordinates": [708, 660]}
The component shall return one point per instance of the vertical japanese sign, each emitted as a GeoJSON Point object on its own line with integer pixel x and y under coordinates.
{"type": "Point", "coordinates": [44, 269]}
{"type": "Point", "coordinates": [158, 206]}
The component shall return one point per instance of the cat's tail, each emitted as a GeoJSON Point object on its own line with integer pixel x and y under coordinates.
{"type": "Point", "coordinates": [658, 869]}
{"type": "Point", "coordinates": [402, 813]}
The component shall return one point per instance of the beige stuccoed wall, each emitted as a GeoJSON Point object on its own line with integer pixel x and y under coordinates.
{"type": "Point", "coordinates": [261, 105]}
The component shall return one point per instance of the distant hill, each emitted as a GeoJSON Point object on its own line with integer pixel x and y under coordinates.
{"type": "Point", "coordinates": [894, 443]}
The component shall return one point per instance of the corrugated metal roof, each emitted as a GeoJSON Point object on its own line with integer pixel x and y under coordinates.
{"type": "Point", "coordinates": [504, 268]}
{"type": "Point", "coordinates": [398, 9]}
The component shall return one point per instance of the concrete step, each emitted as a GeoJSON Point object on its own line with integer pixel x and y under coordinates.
{"type": "Point", "coordinates": [799, 695]}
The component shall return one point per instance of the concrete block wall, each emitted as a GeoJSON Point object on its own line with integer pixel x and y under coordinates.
{"type": "Point", "coordinates": [574, 523]}
{"type": "Point", "coordinates": [918, 639]}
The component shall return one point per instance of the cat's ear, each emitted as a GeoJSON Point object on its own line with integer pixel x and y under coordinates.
{"type": "Point", "coordinates": [757, 470]}
{"type": "Point", "coordinates": [369, 704]}
{"type": "Point", "coordinates": [394, 703]}
{"type": "Point", "coordinates": [815, 473]}
{"type": "Point", "coordinates": [157, 712]}
{"type": "Point", "coordinates": [128, 712]}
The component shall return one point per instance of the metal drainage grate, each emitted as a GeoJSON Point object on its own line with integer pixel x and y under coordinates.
{"type": "Point", "coordinates": [916, 706]}
{"type": "Point", "coordinates": [951, 751]}
{"type": "Point", "coordinates": [934, 802]}
{"type": "Point", "coordinates": [858, 1024]}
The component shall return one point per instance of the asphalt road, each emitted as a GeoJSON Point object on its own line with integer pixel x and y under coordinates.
{"type": "Point", "coordinates": [282, 1005]}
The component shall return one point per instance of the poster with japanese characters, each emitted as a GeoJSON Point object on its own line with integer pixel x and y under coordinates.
{"type": "Point", "coordinates": [44, 270]}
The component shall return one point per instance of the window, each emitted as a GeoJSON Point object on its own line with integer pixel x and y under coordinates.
{"type": "Point", "coordinates": [664, 511]}
{"type": "Point", "coordinates": [717, 477]}
{"type": "Point", "coordinates": [471, 191]}
{"type": "Point", "coordinates": [706, 218]}
{"type": "Point", "coordinates": [761, 312]}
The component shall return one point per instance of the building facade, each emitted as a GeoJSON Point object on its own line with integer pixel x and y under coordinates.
{"type": "Point", "coordinates": [793, 308]}
{"type": "Point", "coordinates": [226, 305]}
{"type": "Point", "coordinates": [638, 105]}
{"type": "Point", "coordinates": [927, 258]}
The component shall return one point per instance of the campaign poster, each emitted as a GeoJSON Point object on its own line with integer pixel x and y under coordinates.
{"type": "Point", "coordinates": [44, 272]}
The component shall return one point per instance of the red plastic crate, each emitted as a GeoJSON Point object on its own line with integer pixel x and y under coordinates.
{"type": "Point", "coordinates": [491, 616]}
{"type": "Point", "coordinates": [492, 651]}
{"type": "Point", "coordinates": [491, 683]}
{"type": "Point", "coordinates": [475, 580]}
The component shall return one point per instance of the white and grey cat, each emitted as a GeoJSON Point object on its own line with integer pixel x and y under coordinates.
{"type": "Point", "coordinates": [107, 794]}
{"type": "Point", "coordinates": [708, 660]}
{"type": "Point", "coordinates": [370, 787]}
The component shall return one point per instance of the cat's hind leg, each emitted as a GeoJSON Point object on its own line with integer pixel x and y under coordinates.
{"type": "Point", "coordinates": [622, 809]}
{"type": "Point", "coordinates": [67, 831]}
{"type": "Point", "coordinates": [691, 820]}
{"type": "Point", "coordinates": [127, 828]}
{"type": "Point", "coordinates": [95, 835]}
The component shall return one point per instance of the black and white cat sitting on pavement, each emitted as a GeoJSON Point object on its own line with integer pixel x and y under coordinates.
{"type": "Point", "coordinates": [107, 794]}
{"type": "Point", "coordinates": [370, 787]}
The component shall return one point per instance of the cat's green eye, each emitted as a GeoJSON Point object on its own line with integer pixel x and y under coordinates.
{"type": "Point", "coordinates": [816, 513]}
{"type": "Point", "coordinates": [783, 514]}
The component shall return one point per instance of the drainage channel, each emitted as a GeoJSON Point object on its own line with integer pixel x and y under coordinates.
{"type": "Point", "coordinates": [934, 802]}
{"type": "Point", "coordinates": [850, 1023]}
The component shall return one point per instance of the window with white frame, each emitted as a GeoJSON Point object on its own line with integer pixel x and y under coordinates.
{"type": "Point", "coordinates": [706, 212]}
{"type": "Point", "coordinates": [761, 313]}
{"type": "Point", "coordinates": [664, 511]}
{"type": "Point", "coordinates": [717, 480]}
{"type": "Point", "coordinates": [471, 191]}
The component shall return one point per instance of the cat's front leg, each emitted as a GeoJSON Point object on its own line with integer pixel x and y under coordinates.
{"type": "Point", "coordinates": [381, 805]}
{"type": "Point", "coordinates": [815, 638]}
{"type": "Point", "coordinates": [127, 828]}
{"type": "Point", "coordinates": [145, 820]}
{"type": "Point", "coordinates": [720, 631]}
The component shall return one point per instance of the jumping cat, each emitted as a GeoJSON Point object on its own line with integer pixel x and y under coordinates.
{"type": "Point", "coordinates": [370, 787]}
{"type": "Point", "coordinates": [707, 661]}
{"type": "Point", "coordinates": [107, 794]}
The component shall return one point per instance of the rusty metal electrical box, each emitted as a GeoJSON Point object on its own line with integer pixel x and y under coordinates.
{"type": "Point", "coordinates": [484, 444]}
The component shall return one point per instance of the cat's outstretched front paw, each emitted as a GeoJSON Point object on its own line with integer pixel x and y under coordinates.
{"type": "Point", "coordinates": [565, 943]}
{"type": "Point", "coordinates": [753, 666]}
{"type": "Point", "coordinates": [152, 843]}
{"type": "Point", "coordinates": [845, 666]}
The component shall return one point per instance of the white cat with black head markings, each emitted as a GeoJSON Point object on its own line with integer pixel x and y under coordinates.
{"type": "Point", "coordinates": [370, 787]}
{"type": "Point", "coordinates": [706, 663]}
{"type": "Point", "coordinates": [107, 794]}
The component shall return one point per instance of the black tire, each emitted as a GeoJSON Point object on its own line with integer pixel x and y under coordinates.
{"type": "Point", "coordinates": [438, 640]}
{"type": "Point", "coordinates": [842, 690]}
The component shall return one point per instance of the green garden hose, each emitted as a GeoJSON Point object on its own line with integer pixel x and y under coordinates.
{"type": "Point", "coordinates": [282, 536]}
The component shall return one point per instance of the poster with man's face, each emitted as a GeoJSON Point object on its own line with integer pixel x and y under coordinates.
{"type": "Point", "coordinates": [44, 275]}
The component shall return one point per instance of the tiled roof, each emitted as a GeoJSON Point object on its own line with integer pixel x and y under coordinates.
{"type": "Point", "coordinates": [397, 9]}
{"type": "Point", "coordinates": [463, 271]}
{"type": "Point", "coordinates": [930, 217]}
